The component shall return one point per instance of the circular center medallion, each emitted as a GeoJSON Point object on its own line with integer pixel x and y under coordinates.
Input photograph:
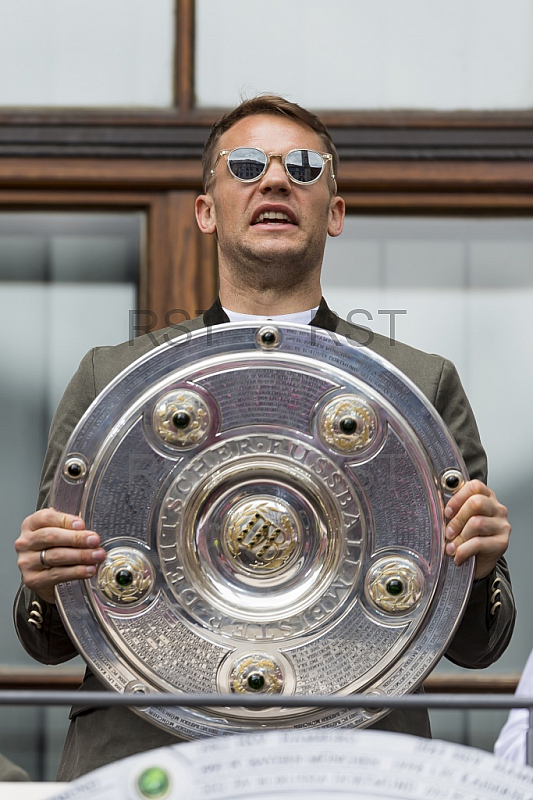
{"type": "Point", "coordinates": [261, 534]}
{"type": "Point", "coordinates": [253, 532]}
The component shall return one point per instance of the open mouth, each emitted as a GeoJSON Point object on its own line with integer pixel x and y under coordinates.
{"type": "Point", "coordinates": [273, 218]}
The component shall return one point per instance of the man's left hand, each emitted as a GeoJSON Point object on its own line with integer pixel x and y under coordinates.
{"type": "Point", "coordinates": [477, 526]}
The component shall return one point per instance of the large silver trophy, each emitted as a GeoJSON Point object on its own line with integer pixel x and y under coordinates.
{"type": "Point", "coordinates": [271, 501]}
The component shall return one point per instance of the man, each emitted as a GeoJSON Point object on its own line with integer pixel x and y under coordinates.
{"type": "Point", "coordinates": [512, 743]}
{"type": "Point", "coordinates": [271, 200]}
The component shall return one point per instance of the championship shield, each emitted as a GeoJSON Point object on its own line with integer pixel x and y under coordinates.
{"type": "Point", "coordinates": [271, 499]}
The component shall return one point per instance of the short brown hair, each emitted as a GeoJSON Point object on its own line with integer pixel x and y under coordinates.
{"type": "Point", "coordinates": [264, 104]}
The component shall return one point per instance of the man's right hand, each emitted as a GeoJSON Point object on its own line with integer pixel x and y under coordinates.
{"type": "Point", "coordinates": [54, 547]}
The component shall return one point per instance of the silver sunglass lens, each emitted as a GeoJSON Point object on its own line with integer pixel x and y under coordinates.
{"type": "Point", "coordinates": [247, 163]}
{"type": "Point", "coordinates": [304, 166]}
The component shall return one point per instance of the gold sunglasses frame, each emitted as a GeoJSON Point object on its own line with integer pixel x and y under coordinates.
{"type": "Point", "coordinates": [326, 157]}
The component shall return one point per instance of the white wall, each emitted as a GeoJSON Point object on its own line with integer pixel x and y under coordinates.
{"type": "Point", "coordinates": [359, 54]}
{"type": "Point", "coordinates": [86, 52]}
{"type": "Point", "coordinates": [367, 54]}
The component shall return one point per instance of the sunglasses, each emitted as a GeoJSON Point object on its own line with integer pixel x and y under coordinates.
{"type": "Point", "coordinates": [248, 164]}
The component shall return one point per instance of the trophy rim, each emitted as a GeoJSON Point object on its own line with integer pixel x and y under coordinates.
{"type": "Point", "coordinates": [210, 721]}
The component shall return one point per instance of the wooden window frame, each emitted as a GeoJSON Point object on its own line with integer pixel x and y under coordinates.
{"type": "Point", "coordinates": [177, 277]}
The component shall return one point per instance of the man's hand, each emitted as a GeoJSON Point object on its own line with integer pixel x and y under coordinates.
{"type": "Point", "coordinates": [54, 547]}
{"type": "Point", "coordinates": [477, 526]}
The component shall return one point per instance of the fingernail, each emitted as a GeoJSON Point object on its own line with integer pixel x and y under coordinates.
{"type": "Point", "coordinates": [90, 570]}
{"type": "Point", "coordinates": [450, 549]}
{"type": "Point", "coordinates": [448, 513]}
{"type": "Point", "coordinates": [98, 555]}
{"type": "Point", "coordinates": [93, 540]}
{"type": "Point", "coordinates": [78, 525]}
{"type": "Point", "coordinates": [450, 533]}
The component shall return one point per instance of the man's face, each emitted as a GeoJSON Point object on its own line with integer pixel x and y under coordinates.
{"type": "Point", "coordinates": [261, 249]}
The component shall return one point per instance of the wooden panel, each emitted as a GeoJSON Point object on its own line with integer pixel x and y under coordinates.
{"type": "Point", "coordinates": [177, 138]}
{"type": "Point", "coordinates": [182, 280]}
{"type": "Point", "coordinates": [445, 202]}
{"type": "Point", "coordinates": [521, 119]}
{"type": "Point", "coordinates": [40, 198]}
{"type": "Point", "coordinates": [184, 56]}
{"type": "Point", "coordinates": [77, 140]}
{"type": "Point", "coordinates": [371, 201]}
{"type": "Point", "coordinates": [207, 275]}
{"type": "Point", "coordinates": [448, 176]}
{"type": "Point", "coordinates": [382, 176]}
{"type": "Point", "coordinates": [156, 267]}
{"type": "Point", "coordinates": [90, 174]}
{"type": "Point", "coordinates": [428, 119]}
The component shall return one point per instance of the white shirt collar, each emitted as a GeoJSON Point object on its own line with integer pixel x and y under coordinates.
{"type": "Point", "coordinates": [301, 317]}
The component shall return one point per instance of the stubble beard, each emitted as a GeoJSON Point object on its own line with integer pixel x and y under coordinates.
{"type": "Point", "coordinates": [263, 269]}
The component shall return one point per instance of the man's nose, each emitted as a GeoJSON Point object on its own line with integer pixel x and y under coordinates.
{"type": "Point", "coordinates": [275, 177]}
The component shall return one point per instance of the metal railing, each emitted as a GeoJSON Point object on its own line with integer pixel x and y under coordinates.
{"type": "Point", "coordinates": [22, 697]}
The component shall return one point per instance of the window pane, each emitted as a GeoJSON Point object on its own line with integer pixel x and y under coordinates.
{"type": "Point", "coordinates": [87, 53]}
{"type": "Point", "coordinates": [462, 288]}
{"type": "Point", "coordinates": [66, 248]}
{"type": "Point", "coordinates": [67, 283]}
{"type": "Point", "coordinates": [356, 54]}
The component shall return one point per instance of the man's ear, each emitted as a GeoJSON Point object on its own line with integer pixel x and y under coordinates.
{"type": "Point", "coordinates": [205, 213]}
{"type": "Point", "coordinates": [337, 210]}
